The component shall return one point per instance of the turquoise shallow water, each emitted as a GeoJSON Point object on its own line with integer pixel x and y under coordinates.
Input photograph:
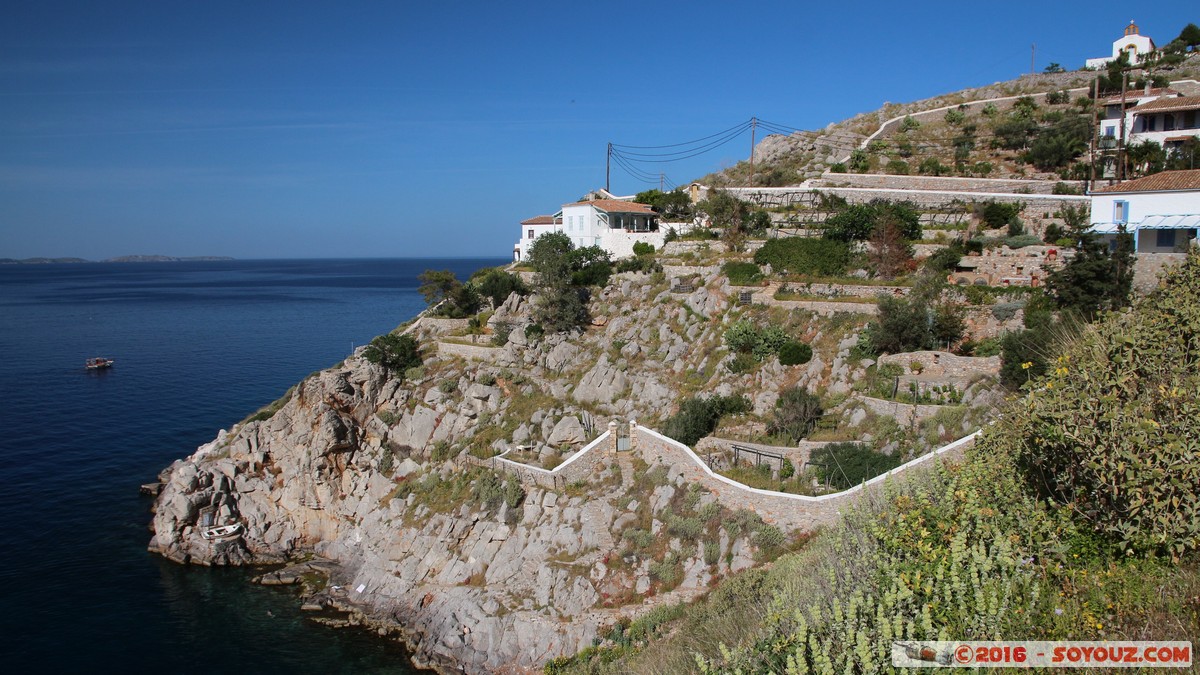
{"type": "Point", "coordinates": [198, 346]}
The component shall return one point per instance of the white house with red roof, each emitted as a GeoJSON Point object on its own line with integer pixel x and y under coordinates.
{"type": "Point", "coordinates": [612, 224]}
{"type": "Point", "coordinates": [1168, 121]}
{"type": "Point", "coordinates": [1161, 211]}
{"type": "Point", "coordinates": [1132, 42]}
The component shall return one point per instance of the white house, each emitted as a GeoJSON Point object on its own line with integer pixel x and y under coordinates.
{"type": "Point", "coordinates": [1132, 42]}
{"type": "Point", "coordinates": [1114, 110]}
{"type": "Point", "coordinates": [613, 225]}
{"type": "Point", "coordinates": [1167, 121]}
{"type": "Point", "coordinates": [1161, 211]}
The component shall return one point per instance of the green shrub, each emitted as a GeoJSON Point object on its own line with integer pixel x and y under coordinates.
{"type": "Point", "coordinates": [638, 538]}
{"type": "Point", "coordinates": [742, 363]}
{"type": "Point", "coordinates": [642, 248]}
{"type": "Point", "coordinates": [1022, 240]}
{"type": "Point", "coordinates": [645, 264]}
{"type": "Point", "coordinates": [898, 167]}
{"type": "Point", "coordinates": [684, 527]}
{"type": "Point", "coordinates": [534, 331]}
{"type": "Point", "coordinates": [397, 353]}
{"type": "Point", "coordinates": [496, 285]}
{"type": "Point", "coordinates": [794, 353]}
{"type": "Point", "coordinates": [742, 273]}
{"type": "Point", "coordinates": [1112, 432]}
{"type": "Point", "coordinates": [501, 332]}
{"type": "Point", "coordinates": [697, 417]}
{"type": "Point", "coordinates": [796, 413]}
{"type": "Point", "coordinates": [844, 465]}
{"type": "Point", "coordinates": [997, 214]}
{"type": "Point", "coordinates": [744, 337]}
{"type": "Point", "coordinates": [944, 260]}
{"type": "Point", "coordinates": [805, 255]}
{"type": "Point", "coordinates": [448, 386]}
{"type": "Point", "coordinates": [787, 470]}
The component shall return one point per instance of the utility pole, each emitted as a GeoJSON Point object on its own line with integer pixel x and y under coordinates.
{"type": "Point", "coordinates": [1120, 171]}
{"type": "Point", "coordinates": [608, 169]}
{"type": "Point", "coordinates": [1095, 127]}
{"type": "Point", "coordinates": [661, 176]}
{"type": "Point", "coordinates": [1032, 58]}
{"type": "Point", "coordinates": [753, 128]}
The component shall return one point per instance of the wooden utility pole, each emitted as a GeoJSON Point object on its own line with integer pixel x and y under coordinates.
{"type": "Point", "coordinates": [1032, 58]}
{"type": "Point", "coordinates": [753, 128]}
{"type": "Point", "coordinates": [608, 169]}
{"type": "Point", "coordinates": [1120, 171]}
{"type": "Point", "coordinates": [1095, 127]}
{"type": "Point", "coordinates": [661, 178]}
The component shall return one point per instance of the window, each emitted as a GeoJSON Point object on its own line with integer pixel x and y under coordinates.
{"type": "Point", "coordinates": [1189, 120]}
{"type": "Point", "coordinates": [1169, 123]}
{"type": "Point", "coordinates": [530, 234]}
{"type": "Point", "coordinates": [1151, 123]}
{"type": "Point", "coordinates": [1120, 212]}
{"type": "Point", "coordinates": [1166, 239]}
{"type": "Point", "coordinates": [1110, 132]}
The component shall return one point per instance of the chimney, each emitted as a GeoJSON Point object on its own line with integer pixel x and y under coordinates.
{"type": "Point", "coordinates": [1147, 87]}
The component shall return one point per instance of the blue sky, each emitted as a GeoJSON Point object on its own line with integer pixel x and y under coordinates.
{"type": "Point", "coordinates": [364, 129]}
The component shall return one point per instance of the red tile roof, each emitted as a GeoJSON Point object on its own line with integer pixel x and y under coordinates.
{"type": "Point", "coordinates": [539, 220]}
{"type": "Point", "coordinates": [614, 206]}
{"type": "Point", "coordinates": [1159, 182]}
{"type": "Point", "coordinates": [1169, 105]}
{"type": "Point", "coordinates": [1138, 94]}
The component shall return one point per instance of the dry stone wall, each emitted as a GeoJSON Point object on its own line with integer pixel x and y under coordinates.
{"type": "Point", "coordinates": [786, 511]}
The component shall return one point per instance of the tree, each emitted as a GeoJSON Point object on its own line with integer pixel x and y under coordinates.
{"type": "Point", "coordinates": [1190, 36]}
{"type": "Point", "coordinates": [1054, 68]}
{"type": "Point", "coordinates": [796, 413]}
{"type": "Point", "coordinates": [451, 297]}
{"type": "Point", "coordinates": [397, 353]}
{"type": "Point", "coordinates": [673, 206]}
{"type": "Point", "coordinates": [889, 253]}
{"type": "Point", "coordinates": [857, 222]}
{"type": "Point", "coordinates": [560, 307]}
{"type": "Point", "coordinates": [496, 285]}
{"type": "Point", "coordinates": [1095, 278]}
{"type": "Point", "coordinates": [590, 266]}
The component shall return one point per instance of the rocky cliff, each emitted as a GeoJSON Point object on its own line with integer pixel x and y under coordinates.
{"type": "Point", "coordinates": [389, 481]}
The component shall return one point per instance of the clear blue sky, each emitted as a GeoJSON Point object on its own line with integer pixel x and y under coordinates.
{"type": "Point", "coordinates": [305, 129]}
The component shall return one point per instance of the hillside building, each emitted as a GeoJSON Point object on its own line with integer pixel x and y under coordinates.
{"type": "Point", "coordinates": [1132, 42]}
{"type": "Point", "coordinates": [613, 225]}
{"type": "Point", "coordinates": [1161, 211]}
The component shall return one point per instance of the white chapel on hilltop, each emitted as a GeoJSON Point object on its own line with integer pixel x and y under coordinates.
{"type": "Point", "coordinates": [1132, 42]}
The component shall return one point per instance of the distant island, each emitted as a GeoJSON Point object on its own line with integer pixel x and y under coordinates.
{"type": "Point", "coordinates": [119, 259]}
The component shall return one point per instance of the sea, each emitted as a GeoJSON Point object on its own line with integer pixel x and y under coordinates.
{"type": "Point", "coordinates": [197, 346]}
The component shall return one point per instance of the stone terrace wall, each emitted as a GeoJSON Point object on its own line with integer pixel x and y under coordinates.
{"type": "Point", "coordinates": [945, 364]}
{"type": "Point", "coordinates": [785, 511]}
{"type": "Point", "coordinates": [938, 183]}
{"type": "Point", "coordinates": [496, 355]}
{"type": "Point", "coordinates": [905, 414]}
{"type": "Point", "coordinates": [816, 306]}
{"type": "Point", "coordinates": [577, 467]}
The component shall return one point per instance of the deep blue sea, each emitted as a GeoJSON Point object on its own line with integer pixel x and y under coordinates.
{"type": "Point", "coordinates": [198, 346]}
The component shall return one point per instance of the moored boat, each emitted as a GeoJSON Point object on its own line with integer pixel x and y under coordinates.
{"type": "Point", "coordinates": [221, 531]}
{"type": "Point", "coordinates": [97, 363]}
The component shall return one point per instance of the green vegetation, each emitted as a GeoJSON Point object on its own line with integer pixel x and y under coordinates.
{"type": "Point", "coordinates": [796, 413]}
{"type": "Point", "coordinates": [794, 353]}
{"type": "Point", "coordinates": [1094, 536]}
{"type": "Point", "coordinates": [698, 417]}
{"type": "Point", "coordinates": [742, 273]}
{"type": "Point", "coordinates": [451, 297]}
{"type": "Point", "coordinates": [857, 222]}
{"type": "Point", "coordinates": [496, 285]}
{"type": "Point", "coordinates": [744, 337]}
{"type": "Point", "coordinates": [673, 206]}
{"type": "Point", "coordinates": [844, 465]}
{"type": "Point", "coordinates": [920, 320]}
{"type": "Point", "coordinates": [803, 255]}
{"type": "Point", "coordinates": [397, 353]}
{"type": "Point", "coordinates": [562, 273]}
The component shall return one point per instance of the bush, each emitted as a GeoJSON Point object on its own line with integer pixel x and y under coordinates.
{"type": "Point", "coordinates": [844, 465]}
{"type": "Point", "coordinates": [642, 248]}
{"type": "Point", "coordinates": [1126, 466]}
{"type": "Point", "coordinates": [944, 260]}
{"type": "Point", "coordinates": [997, 214]}
{"type": "Point", "coordinates": [857, 222]}
{"type": "Point", "coordinates": [697, 417]}
{"type": "Point", "coordinates": [804, 255]}
{"type": "Point", "coordinates": [796, 413]}
{"type": "Point", "coordinates": [1022, 240]}
{"type": "Point", "coordinates": [496, 285]}
{"type": "Point", "coordinates": [742, 273]}
{"type": "Point", "coordinates": [898, 167]}
{"type": "Point", "coordinates": [534, 331]}
{"type": "Point", "coordinates": [397, 353]}
{"type": "Point", "coordinates": [644, 263]}
{"type": "Point", "coordinates": [794, 353]}
{"type": "Point", "coordinates": [746, 338]}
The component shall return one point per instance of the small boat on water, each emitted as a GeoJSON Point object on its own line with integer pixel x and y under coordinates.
{"type": "Point", "coordinates": [221, 531]}
{"type": "Point", "coordinates": [98, 363]}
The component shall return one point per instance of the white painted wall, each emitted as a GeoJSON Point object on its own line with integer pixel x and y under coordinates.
{"type": "Point", "coordinates": [521, 250]}
{"type": "Point", "coordinates": [1142, 204]}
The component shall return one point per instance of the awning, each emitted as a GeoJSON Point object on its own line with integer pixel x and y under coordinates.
{"type": "Point", "coordinates": [1183, 222]}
